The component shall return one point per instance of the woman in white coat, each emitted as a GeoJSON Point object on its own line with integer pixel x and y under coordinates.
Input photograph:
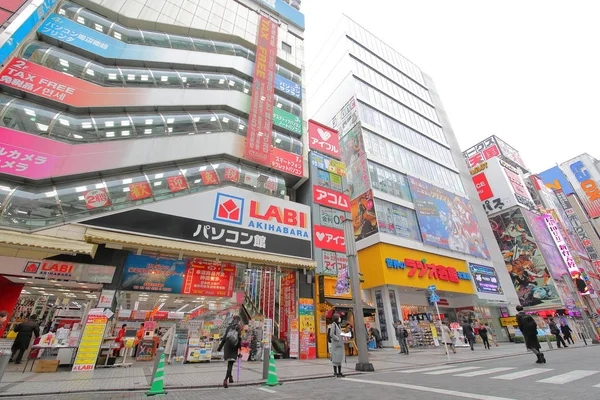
{"type": "Point", "coordinates": [337, 346]}
{"type": "Point", "coordinates": [447, 337]}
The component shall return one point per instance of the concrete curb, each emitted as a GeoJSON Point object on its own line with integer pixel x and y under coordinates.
{"type": "Point", "coordinates": [282, 380]}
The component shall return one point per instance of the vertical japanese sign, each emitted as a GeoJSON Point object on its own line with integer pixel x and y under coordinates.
{"type": "Point", "coordinates": [260, 122]}
{"type": "Point", "coordinates": [288, 304]}
{"type": "Point", "coordinates": [90, 343]}
{"type": "Point", "coordinates": [308, 348]}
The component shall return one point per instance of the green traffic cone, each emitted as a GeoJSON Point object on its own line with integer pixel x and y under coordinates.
{"type": "Point", "coordinates": [272, 377]}
{"type": "Point", "coordinates": [157, 388]}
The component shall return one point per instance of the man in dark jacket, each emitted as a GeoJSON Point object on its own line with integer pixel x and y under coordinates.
{"type": "Point", "coordinates": [469, 333]}
{"type": "Point", "coordinates": [528, 327]}
{"type": "Point", "coordinates": [556, 332]}
{"type": "Point", "coordinates": [25, 331]}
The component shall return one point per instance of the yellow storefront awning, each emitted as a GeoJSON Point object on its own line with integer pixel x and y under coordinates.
{"type": "Point", "coordinates": [46, 243]}
{"type": "Point", "coordinates": [194, 249]}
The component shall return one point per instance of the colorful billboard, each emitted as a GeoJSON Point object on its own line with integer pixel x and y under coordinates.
{"type": "Point", "coordinates": [323, 139]}
{"type": "Point", "coordinates": [524, 261]}
{"type": "Point", "coordinates": [228, 217]}
{"type": "Point", "coordinates": [583, 175]}
{"type": "Point", "coordinates": [288, 87]}
{"type": "Point", "coordinates": [447, 220]}
{"type": "Point", "coordinates": [554, 178]}
{"type": "Point", "coordinates": [486, 279]}
{"type": "Point", "coordinates": [364, 219]}
{"type": "Point", "coordinates": [490, 148]}
{"type": "Point", "coordinates": [260, 121]}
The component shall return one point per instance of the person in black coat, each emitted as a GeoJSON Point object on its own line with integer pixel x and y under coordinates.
{"type": "Point", "coordinates": [469, 333]}
{"type": "Point", "coordinates": [556, 332]}
{"type": "Point", "coordinates": [25, 331]}
{"type": "Point", "coordinates": [566, 331]}
{"type": "Point", "coordinates": [231, 343]}
{"type": "Point", "coordinates": [483, 332]}
{"type": "Point", "coordinates": [528, 327]}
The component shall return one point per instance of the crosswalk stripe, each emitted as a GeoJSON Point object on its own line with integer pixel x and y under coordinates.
{"type": "Point", "coordinates": [485, 372]}
{"type": "Point", "coordinates": [522, 374]}
{"type": "Point", "coordinates": [410, 371]}
{"type": "Point", "coordinates": [451, 370]}
{"type": "Point", "coordinates": [568, 377]}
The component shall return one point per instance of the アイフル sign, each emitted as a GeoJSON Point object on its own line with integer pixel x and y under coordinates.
{"type": "Point", "coordinates": [329, 239]}
{"type": "Point", "coordinates": [323, 139]}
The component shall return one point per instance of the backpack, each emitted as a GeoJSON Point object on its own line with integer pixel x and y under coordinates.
{"type": "Point", "coordinates": [405, 332]}
{"type": "Point", "coordinates": [231, 337]}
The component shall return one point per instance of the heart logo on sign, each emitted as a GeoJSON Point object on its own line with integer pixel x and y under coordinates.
{"type": "Point", "coordinates": [320, 236]}
{"type": "Point", "coordinates": [325, 135]}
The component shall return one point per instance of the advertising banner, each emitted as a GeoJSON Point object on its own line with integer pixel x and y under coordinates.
{"type": "Point", "coordinates": [446, 219]}
{"type": "Point", "coordinates": [287, 121]}
{"type": "Point", "coordinates": [483, 186]}
{"type": "Point", "coordinates": [364, 218]}
{"type": "Point", "coordinates": [481, 152]}
{"type": "Point", "coordinates": [91, 339]}
{"type": "Point", "coordinates": [287, 162]}
{"type": "Point", "coordinates": [294, 338]}
{"type": "Point", "coordinates": [353, 155]}
{"type": "Point", "coordinates": [328, 164]}
{"type": "Point", "coordinates": [209, 278]}
{"type": "Point", "coordinates": [555, 179]}
{"type": "Point", "coordinates": [342, 284]}
{"type": "Point", "coordinates": [329, 238]}
{"type": "Point", "coordinates": [525, 263]}
{"type": "Point", "coordinates": [151, 274]}
{"type": "Point", "coordinates": [486, 279]}
{"type": "Point", "coordinates": [288, 304]}
{"type": "Point", "coordinates": [229, 217]}
{"type": "Point", "coordinates": [308, 347]}
{"type": "Point", "coordinates": [578, 228]}
{"type": "Point", "coordinates": [584, 177]}
{"type": "Point", "coordinates": [346, 118]}
{"type": "Point", "coordinates": [106, 298]}
{"type": "Point", "coordinates": [323, 139]}
{"type": "Point", "coordinates": [330, 198]}
{"type": "Point", "coordinates": [288, 87]}
{"type": "Point", "coordinates": [329, 263]}
{"type": "Point", "coordinates": [260, 121]}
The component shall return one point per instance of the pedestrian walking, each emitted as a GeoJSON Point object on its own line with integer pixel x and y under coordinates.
{"type": "Point", "coordinates": [337, 346]}
{"type": "Point", "coordinates": [556, 332]}
{"type": "Point", "coordinates": [469, 333]}
{"type": "Point", "coordinates": [401, 335]}
{"type": "Point", "coordinates": [25, 330]}
{"type": "Point", "coordinates": [483, 332]}
{"type": "Point", "coordinates": [566, 331]}
{"type": "Point", "coordinates": [528, 327]}
{"type": "Point", "coordinates": [448, 337]}
{"type": "Point", "coordinates": [231, 344]}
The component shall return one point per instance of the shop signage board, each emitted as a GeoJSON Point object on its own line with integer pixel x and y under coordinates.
{"type": "Point", "coordinates": [287, 303]}
{"type": "Point", "coordinates": [229, 217]}
{"type": "Point", "coordinates": [486, 279]}
{"type": "Point", "coordinates": [329, 238]}
{"type": "Point", "coordinates": [328, 164]}
{"type": "Point", "coordinates": [260, 121]}
{"type": "Point", "coordinates": [435, 207]}
{"type": "Point", "coordinates": [294, 338]}
{"type": "Point", "coordinates": [554, 178]}
{"type": "Point", "coordinates": [583, 175]}
{"type": "Point", "coordinates": [508, 321]}
{"type": "Point", "coordinates": [287, 121]}
{"type": "Point", "coordinates": [287, 162]}
{"type": "Point", "coordinates": [323, 139]}
{"type": "Point", "coordinates": [490, 148]}
{"type": "Point", "coordinates": [287, 86]}
{"type": "Point", "coordinates": [89, 345]}
{"type": "Point", "coordinates": [331, 198]}
{"type": "Point", "coordinates": [53, 269]}
{"type": "Point", "coordinates": [106, 298]}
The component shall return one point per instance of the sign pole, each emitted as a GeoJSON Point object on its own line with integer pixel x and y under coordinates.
{"type": "Point", "coordinates": [359, 318]}
{"type": "Point", "coordinates": [437, 309]}
{"type": "Point", "coordinates": [434, 298]}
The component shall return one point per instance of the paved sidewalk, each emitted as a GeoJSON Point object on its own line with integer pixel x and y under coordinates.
{"type": "Point", "coordinates": [211, 374]}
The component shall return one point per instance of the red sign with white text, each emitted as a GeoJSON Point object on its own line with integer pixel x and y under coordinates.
{"type": "Point", "coordinates": [483, 187]}
{"type": "Point", "coordinates": [209, 278]}
{"type": "Point", "coordinates": [287, 162]}
{"type": "Point", "coordinates": [330, 198]}
{"type": "Point", "coordinates": [260, 121]}
{"type": "Point", "coordinates": [323, 139]}
{"type": "Point", "coordinates": [329, 238]}
{"type": "Point", "coordinates": [96, 198]}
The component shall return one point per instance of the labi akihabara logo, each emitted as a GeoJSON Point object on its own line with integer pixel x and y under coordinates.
{"type": "Point", "coordinates": [229, 209]}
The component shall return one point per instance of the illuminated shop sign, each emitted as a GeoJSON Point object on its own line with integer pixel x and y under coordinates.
{"type": "Point", "coordinates": [422, 269]}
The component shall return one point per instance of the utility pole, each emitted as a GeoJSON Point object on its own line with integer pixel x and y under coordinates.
{"type": "Point", "coordinates": [359, 318]}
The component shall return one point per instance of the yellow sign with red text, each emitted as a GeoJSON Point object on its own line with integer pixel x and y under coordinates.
{"type": "Point", "coordinates": [385, 264]}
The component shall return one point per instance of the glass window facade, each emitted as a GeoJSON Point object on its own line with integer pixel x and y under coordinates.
{"type": "Point", "coordinates": [38, 207]}
{"type": "Point", "coordinates": [389, 181]}
{"type": "Point", "coordinates": [395, 155]}
{"type": "Point", "coordinates": [40, 120]}
{"type": "Point", "coordinates": [393, 129]}
{"type": "Point", "coordinates": [159, 39]}
{"type": "Point", "coordinates": [397, 220]}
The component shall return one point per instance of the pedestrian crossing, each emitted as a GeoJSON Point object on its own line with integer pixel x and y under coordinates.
{"type": "Point", "coordinates": [540, 375]}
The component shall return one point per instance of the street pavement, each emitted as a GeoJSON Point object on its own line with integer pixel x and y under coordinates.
{"type": "Point", "coordinates": [501, 375]}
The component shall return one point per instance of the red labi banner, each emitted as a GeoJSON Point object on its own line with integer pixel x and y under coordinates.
{"type": "Point", "coordinates": [323, 139]}
{"type": "Point", "coordinates": [260, 122]}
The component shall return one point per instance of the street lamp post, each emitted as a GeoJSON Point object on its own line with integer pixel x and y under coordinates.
{"type": "Point", "coordinates": [359, 318]}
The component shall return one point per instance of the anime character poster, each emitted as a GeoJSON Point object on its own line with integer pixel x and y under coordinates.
{"type": "Point", "coordinates": [447, 220]}
{"type": "Point", "coordinates": [364, 218]}
{"type": "Point", "coordinates": [524, 260]}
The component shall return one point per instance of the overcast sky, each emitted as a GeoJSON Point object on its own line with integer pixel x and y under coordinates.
{"type": "Point", "coordinates": [526, 71]}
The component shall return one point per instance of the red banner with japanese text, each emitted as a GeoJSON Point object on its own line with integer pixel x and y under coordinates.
{"type": "Point", "coordinates": [260, 122]}
{"type": "Point", "coordinates": [209, 278]}
{"type": "Point", "coordinates": [287, 162]}
{"type": "Point", "coordinates": [288, 303]}
{"type": "Point", "coordinates": [329, 238]}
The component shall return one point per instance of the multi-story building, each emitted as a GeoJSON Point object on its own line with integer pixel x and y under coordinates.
{"type": "Point", "coordinates": [411, 193]}
{"type": "Point", "coordinates": [162, 142]}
